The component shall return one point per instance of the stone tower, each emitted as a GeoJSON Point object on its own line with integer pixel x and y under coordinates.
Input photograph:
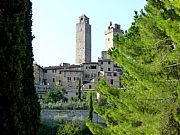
{"type": "Point", "coordinates": [112, 30]}
{"type": "Point", "coordinates": [83, 40]}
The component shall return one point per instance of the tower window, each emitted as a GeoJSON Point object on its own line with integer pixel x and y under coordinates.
{"type": "Point", "coordinates": [109, 69]}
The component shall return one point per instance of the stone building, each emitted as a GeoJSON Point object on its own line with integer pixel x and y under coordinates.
{"type": "Point", "coordinates": [67, 76]}
{"type": "Point", "coordinates": [83, 40]}
{"type": "Point", "coordinates": [110, 71]}
{"type": "Point", "coordinates": [40, 80]}
{"type": "Point", "coordinates": [90, 75]}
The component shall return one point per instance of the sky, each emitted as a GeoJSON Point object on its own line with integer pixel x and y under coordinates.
{"type": "Point", "coordinates": [54, 26]}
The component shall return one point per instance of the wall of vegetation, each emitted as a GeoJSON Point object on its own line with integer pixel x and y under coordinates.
{"type": "Point", "coordinates": [19, 108]}
{"type": "Point", "coordinates": [149, 52]}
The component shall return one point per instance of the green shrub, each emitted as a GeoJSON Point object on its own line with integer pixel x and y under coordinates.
{"type": "Point", "coordinates": [68, 129]}
{"type": "Point", "coordinates": [80, 121]}
{"type": "Point", "coordinates": [73, 129]}
{"type": "Point", "coordinates": [71, 105]}
{"type": "Point", "coordinates": [48, 127]}
{"type": "Point", "coordinates": [61, 119]}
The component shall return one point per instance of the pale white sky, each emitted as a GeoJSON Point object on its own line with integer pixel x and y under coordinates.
{"type": "Point", "coordinates": [54, 26]}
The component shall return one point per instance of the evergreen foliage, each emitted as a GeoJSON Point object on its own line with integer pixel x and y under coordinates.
{"type": "Point", "coordinates": [90, 115]}
{"type": "Point", "coordinates": [19, 107]}
{"type": "Point", "coordinates": [149, 52]}
{"type": "Point", "coordinates": [79, 89]}
{"type": "Point", "coordinates": [53, 96]}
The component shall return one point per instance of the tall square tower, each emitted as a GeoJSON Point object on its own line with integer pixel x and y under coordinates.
{"type": "Point", "coordinates": [83, 40]}
{"type": "Point", "coordinates": [109, 34]}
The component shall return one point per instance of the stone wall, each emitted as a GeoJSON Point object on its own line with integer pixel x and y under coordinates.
{"type": "Point", "coordinates": [49, 114]}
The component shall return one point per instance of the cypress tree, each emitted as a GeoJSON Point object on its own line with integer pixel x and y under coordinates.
{"type": "Point", "coordinates": [79, 89]}
{"type": "Point", "coordinates": [19, 108]}
{"type": "Point", "coordinates": [90, 115]}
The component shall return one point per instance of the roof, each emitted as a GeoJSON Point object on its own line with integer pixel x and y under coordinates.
{"type": "Point", "coordinates": [90, 63]}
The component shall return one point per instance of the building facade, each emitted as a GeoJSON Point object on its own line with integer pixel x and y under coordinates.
{"type": "Point", "coordinates": [67, 77]}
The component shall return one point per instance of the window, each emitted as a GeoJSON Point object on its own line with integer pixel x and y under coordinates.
{"type": "Point", "coordinates": [120, 85]}
{"type": "Point", "coordinates": [115, 65]}
{"type": "Point", "coordinates": [53, 70]}
{"type": "Point", "coordinates": [68, 79]}
{"type": "Point", "coordinates": [87, 75]}
{"type": "Point", "coordinates": [93, 67]}
{"type": "Point", "coordinates": [59, 82]}
{"type": "Point", "coordinates": [101, 69]}
{"type": "Point", "coordinates": [59, 72]}
{"type": "Point", "coordinates": [53, 80]}
{"type": "Point", "coordinates": [74, 78]}
{"type": "Point", "coordinates": [89, 86]}
{"type": "Point", "coordinates": [109, 69]}
{"type": "Point", "coordinates": [45, 71]}
{"type": "Point", "coordinates": [111, 82]}
{"type": "Point", "coordinates": [101, 62]}
{"type": "Point", "coordinates": [109, 62]}
{"type": "Point", "coordinates": [45, 81]}
{"type": "Point", "coordinates": [115, 74]}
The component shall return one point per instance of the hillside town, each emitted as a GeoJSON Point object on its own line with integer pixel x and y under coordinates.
{"type": "Point", "coordinates": [87, 73]}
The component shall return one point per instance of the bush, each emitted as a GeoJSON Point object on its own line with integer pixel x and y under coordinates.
{"type": "Point", "coordinates": [61, 119]}
{"type": "Point", "coordinates": [68, 129]}
{"type": "Point", "coordinates": [61, 126]}
{"type": "Point", "coordinates": [48, 127]}
{"type": "Point", "coordinates": [71, 105]}
{"type": "Point", "coordinates": [78, 121]}
{"type": "Point", "coordinates": [73, 129]}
